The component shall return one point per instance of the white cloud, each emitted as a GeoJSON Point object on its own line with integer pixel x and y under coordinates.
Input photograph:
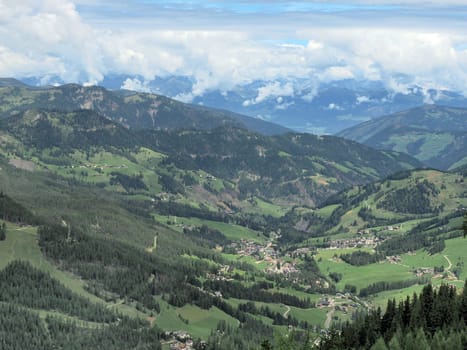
{"type": "Point", "coordinates": [136, 85]}
{"type": "Point", "coordinates": [334, 107]}
{"type": "Point", "coordinates": [363, 99]}
{"type": "Point", "coordinates": [336, 73]}
{"type": "Point", "coordinates": [53, 38]}
{"type": "Point", "coordinates": [284, 105]}
{"type": "Point", "coordinates": [271, 90]}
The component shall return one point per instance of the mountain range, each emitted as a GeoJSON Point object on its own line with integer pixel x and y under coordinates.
{"type": "Point", "coordinates": [435, 135]}
{"type": "Point", "coordinates": [298, 104]}
{"type": "Point", "coordinates": [288, 168]}
{"type": "Point", "coordinates": [131, 109]}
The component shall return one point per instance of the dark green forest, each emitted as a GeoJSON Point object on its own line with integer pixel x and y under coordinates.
{"type": "Point", "coordinates": [434, 319]}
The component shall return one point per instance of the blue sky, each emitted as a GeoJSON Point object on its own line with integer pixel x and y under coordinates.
{"type": "Point", "coordinates": [222, 44]}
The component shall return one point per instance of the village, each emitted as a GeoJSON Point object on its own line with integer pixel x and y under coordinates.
{"type": "Point", "coordinates": [266, 253]}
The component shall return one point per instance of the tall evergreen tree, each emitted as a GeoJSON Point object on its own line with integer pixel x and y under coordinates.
{"type": "Point", "coordinates": [406, 313]}
{"type": "Point", "coordinates": [379, 345]}
{"type": "Point", "coordinates": [463, 308]}
{"type": "Point", "coordinates": [464, 225]}
{"type": "Point", "coordinates": [3, 232]}
{"type": "Point", "coordinates": [396, 342]}
{"type": "Point", "coordinates": [426, 303]}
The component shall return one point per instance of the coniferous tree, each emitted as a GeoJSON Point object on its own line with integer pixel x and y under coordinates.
{"type": "Point", "coordinates": [463, 307]}
{"type": "Point", "coordinates": [406, 313]}
{"type": "Point", "coordinates": [396, 342]}
{"type": "Point", "coordinates": [379, 345]}
{"type": "Point", "coordinates": [426, 303]}
{"type": "Point", "coordinates": [3, 232]}
{"type": "Point", "coordinates": [435, 319]}
{"type": "Point", "coordinates": [464, 225]}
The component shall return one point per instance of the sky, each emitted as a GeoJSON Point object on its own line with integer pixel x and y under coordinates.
{"type": "Point", "coordinates": [223, 44]}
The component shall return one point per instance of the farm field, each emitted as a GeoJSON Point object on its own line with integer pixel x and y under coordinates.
{"type": "Point", "coordinates": [231, 231]}
{"type": "Point", "coordinates": [198, 322]}
{"type": "Point", "coordinates": [360, 276]}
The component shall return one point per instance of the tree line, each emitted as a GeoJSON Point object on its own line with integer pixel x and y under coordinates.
{"type": "Point", "coordinates": [433, 319]}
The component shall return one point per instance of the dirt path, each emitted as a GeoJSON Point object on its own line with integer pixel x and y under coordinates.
{"type": "Point", "coordinates": [120, 302]}
{"type": "Point", "coordinates": [329, 316]}
{"type": "Point", "coordinates": [286, 311]}
{"type": "Point", "coordinates": [448, 269]}
{"type": "Point", "coordinates": [449, 262]}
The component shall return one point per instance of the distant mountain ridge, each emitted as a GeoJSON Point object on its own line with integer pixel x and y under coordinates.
{"type": "Point", "coordinates": [303, 105]}
{"type": "Point", "coordinates": [436, 135]}
{"type": "Point", "coordinates": [132, 109]}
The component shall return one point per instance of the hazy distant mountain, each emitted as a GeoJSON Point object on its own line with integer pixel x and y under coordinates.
{"type": "Point", "coordinates": [300, 104]}
{"type": "Point", "coordinates": [435, 135]}
{"type": "Point", "coordinates": [132, 109]}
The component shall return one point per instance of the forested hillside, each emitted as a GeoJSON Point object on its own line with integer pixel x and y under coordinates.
{"type": "Point", "coordinates": [433, 319]}
{"type": "Point", "coordinates": [207, 239]}
{"type": "Point", "coordinates": [435, 135]}
{"type": "Point", "coordinates": [287, 169]}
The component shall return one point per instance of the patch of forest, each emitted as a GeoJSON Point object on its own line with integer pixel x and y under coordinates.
{"type": "Point", "coordinates": [414, 199]}
{"type": "Point", "coordinates": [21, 329]}
{"type": "Point", "coordinates": [22, 284]}
{"type": "Point", "coordinates": [433, 319]}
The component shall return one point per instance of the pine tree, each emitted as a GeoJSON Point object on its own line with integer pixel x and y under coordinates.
{"type": "Point", "coordinates": [406, 313]}
{"type": "Point", "coordinates": [464, 225]}
{"type": "Point", "coordinates": [453, 342]}
{"type": "Point", "coordinates": [426, 302]}
{"type": "Point", "coordinates": [422, 341]}
{"type": "Point", "coordinates": [396, 341]}
{"type": "Point", "coordinates": [3, 232]}
{"type": "Point", "coordinates": [379, 345]}
{"type": "Point", "coordinates": [386, 322]}
{"type": "Point", "coordinates": [463, 308]}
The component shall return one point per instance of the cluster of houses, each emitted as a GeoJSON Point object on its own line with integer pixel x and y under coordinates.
{"type": "Point", "coordinates": [394, 259]}
{"type": "Point", "coordinates": [179, 340]}
{"type": "Point", "coordinates": [246, 247]}
{"type": "Point", "coordinates": [421, 271]}
{"type": "Point", "coordinates": [95, 166]}
{"type": "Point", "coordinates": [359, 242]}
{"type": "Point", "coordinates": [299, 252]}
{"type": "Point", "coordinates": [268, 254]}
{"type": "Point", "coordinates": [223, 274]}
{"type": "Point", "coordinates": [285, 268]}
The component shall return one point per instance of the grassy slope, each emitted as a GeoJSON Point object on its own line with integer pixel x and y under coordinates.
{"type": "Point", "coordinates": [21, 244]}
{"type": "Point", "coordinates": [360, 276]}
{"type": "Point", "coordinates": [199, 321]}
{"type": "Point", "coordinates": [231, 231]}
{"type": "Point", "coordinates": [432, 134]}
{"type": "Point", "coordinates": [365, 275]}
{"type": "Point", "coordinates": [451, 195]}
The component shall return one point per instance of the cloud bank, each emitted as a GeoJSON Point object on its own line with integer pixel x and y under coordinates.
{"type": "Point", "coordinates": [222, 46]}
